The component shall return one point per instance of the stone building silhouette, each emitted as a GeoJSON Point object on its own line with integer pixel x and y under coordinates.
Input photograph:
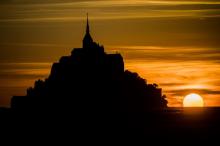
{"type": "Point", "coordinates": [90, 80]}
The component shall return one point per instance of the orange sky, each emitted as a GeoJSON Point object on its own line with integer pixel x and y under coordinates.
{"type": "Point", "coordinates": [172, 43]}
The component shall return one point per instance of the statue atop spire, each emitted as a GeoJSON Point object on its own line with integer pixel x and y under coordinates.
{"type": "Point", "coordinates": [87, 40]}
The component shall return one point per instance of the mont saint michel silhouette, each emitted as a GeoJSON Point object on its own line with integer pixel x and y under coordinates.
{"type": "Point", "coordinates": [91, 80]}
{"type": "Point", "coordinates": [89, 94]}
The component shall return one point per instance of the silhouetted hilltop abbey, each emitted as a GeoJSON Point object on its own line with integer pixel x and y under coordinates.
{"type": "Point", "coordinates": [91, 80]}
{"type": "Point", "coordinates": [90, 98]}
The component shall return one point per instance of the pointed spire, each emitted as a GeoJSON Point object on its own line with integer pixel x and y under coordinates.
{"type": "Point", "coordinates": [87, 40]}
{"type": "Point", "coordinates": [87, 26]}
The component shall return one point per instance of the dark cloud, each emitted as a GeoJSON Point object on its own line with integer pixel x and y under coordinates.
{"type": "Point", "coordinates": [24, 70]}
{"type": "Point", "coordinates": [41, 1]}
{"type": "Point", "coordinates": [171, 84]}
{"type": "Point", "coordinates": [181, 92]}
{"type": "Point", "coordinates": [172, 53]}
{"type": "Point", "coordinates": [34, 1]}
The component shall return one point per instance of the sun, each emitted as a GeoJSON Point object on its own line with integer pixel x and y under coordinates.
{"type": "Point", "coordinates": [193, 100]}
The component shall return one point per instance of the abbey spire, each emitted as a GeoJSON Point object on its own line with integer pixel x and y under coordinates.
{"type": "Point", "coordinates": [87, 25]}
{"type": "Point", "coordinates": [87, 40]}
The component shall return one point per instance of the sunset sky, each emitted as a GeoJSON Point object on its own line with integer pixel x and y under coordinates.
{"type": "Point", "coordinates": [174, 43]}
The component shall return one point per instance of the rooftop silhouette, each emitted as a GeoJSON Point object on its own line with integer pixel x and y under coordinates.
{"type": "Point", "coordinates": [91, 80]}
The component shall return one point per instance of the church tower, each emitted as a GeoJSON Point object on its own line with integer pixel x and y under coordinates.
{"type": "Point", "coordinates": [87, 40]}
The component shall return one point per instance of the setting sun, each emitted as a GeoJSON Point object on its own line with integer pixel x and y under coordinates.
{"type": "Point", "coordinates": [193, 100]}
